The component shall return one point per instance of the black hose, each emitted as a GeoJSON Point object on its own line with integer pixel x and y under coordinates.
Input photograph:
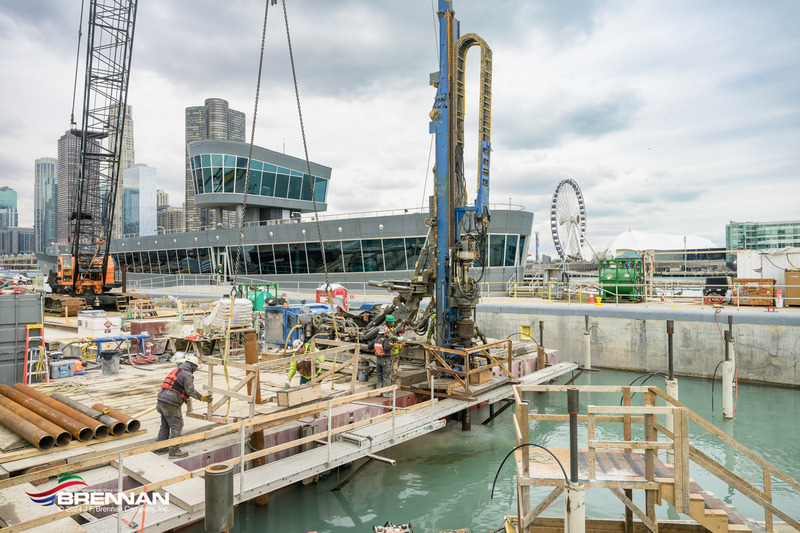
{"type": "Point", "coordinates": [566, 479]}
{"type": "Point", "coordinates": [647, 377]}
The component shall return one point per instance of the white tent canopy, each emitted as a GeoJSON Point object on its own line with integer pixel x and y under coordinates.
{"type": "Point", "coordinates": [640, 241]}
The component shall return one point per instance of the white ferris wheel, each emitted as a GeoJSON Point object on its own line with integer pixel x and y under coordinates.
{"type": "Point", "coordinates": [568, 220]}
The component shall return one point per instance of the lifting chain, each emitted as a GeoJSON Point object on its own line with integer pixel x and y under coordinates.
{"type": "Point", "coordinates": [305, 148]}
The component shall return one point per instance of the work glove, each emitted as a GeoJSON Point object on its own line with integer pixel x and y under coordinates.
{"type": "Point", "coordinates": [206, 398]}
{"type": "Point", "coordinates": [401, 340]}
{"type": "Point", "coordinates": [287, 385]}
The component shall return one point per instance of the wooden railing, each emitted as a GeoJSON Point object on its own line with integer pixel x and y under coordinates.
{"type": "Point", "coordinates": [678, 443]}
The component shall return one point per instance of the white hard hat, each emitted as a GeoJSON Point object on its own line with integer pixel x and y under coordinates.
{"type": "Point", "coordinates": [192, 359]}
{"type": "Point", "coordinates": [297, 344]}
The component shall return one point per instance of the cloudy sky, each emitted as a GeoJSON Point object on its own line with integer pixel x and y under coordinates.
{"type": "Point", "coordinates": [672, 116]}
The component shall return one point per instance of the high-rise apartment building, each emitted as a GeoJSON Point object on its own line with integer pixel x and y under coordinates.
{"type": "Point", "coordinates": [69, 168]}
{"type": "Point", "coordinates": [8, 208]}
{"type": "Point", "coordinates": [139, 201]}
{"type": "Point", "coordinates": [214, 120]}
{"type": "Point", "coordinates": [171, 219]}
{"type": "Point", "coordinates": [45, 200]}
{"type": "Point", "coordinates": [162, 198]}
{"type": "Point", "coordinates": [761, 235]}
{"type": "Point", "coordinates": [127, 160]}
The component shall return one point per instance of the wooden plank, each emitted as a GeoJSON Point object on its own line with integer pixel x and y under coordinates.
{"type": "Point", "coordinates": [626, 430]}
{"type": "Point", "coordinates": [768, 497]}
{"type": "Point", "coordinates": [227, 393]}
{"type": "Point", "coordinates": [620, 444]}
{"type": "Point", "coordinates": [188, 494]}
{"type": "Point", "coordinates": [148, 468]}
{"type": "Point", "coordinates": [244, 381]}
{"type": "Point", "coordinates": [651, 525]}
{"type": "Point", "coordinates": [582, 388]}
{"type": "Point", "coordinates": [592, 458]}
{"type": "Point", "coordinates": [544, 504]}
{"type": "Point", "coordinates": [299, 395]}
{"type": "Point", "coordinates": [354, 370]}
{"type": "Point", "coordinates": [583, 418]}
{"type": "Point", "coordinates": [650, 434]}
{"type": "Point", "coordinates": [632, 410]}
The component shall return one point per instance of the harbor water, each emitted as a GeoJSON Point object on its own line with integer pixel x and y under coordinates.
{"type": "Point", "coordinates": [443, 480]}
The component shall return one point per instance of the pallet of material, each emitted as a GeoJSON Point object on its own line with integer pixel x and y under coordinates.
{"type": "Point", "coordinates": [297, 395]}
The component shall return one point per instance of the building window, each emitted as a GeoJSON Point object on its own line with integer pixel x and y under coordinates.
{"type": "Point", "coordinates": [511, 249]}
{"type": "Point", "coordinates": [496, 245]}
{"type": "Point", "coordinates": [394, 254]}
{"type": "Point", "coordinates": [295, 184]}
{"type": "Point", "coordinates": [413, 249]}
{"type": "Point", "coordinates": [283, 263]}
{"type": "Point", "coordinates": [298, 254]}
{"type": "Point", "coordinates": [281, 185]}
{"type": "Point", "coordinates": [333, 254]}
{"type": "Point", "coordinates": [351, 256]}
{"type": "Point", "coordinates": [266, 259]}
{"type": "Point", "coordinates": [373, 255]}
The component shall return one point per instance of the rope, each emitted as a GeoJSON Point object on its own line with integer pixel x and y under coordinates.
{"type": "Point", "coordinates": [305, 146]}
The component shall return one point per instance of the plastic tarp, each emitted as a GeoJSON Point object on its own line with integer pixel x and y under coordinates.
{"type": "Point", "coordinates": [242, 314]}
{"type": "Point", "coordinates": [767, 264]}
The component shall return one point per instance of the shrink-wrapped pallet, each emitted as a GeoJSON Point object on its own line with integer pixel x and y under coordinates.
{"type": "Point", "coordinates": [221, 312]}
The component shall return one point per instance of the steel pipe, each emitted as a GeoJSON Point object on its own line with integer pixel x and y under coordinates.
{"type": "Point", "coordinates": [116, 427]}
{"type": "Point", "coordinates": [78, 431]}
{"type": "Point", "coordinates": [31, 433]}
{"type": "Point", "coordinates": [132, 424]}
{"type": "Point", "coordinates": [99, 429]}
{"type": "Point", "coordinates": [219, 497]}
{"type": "Point", "coordinates": [61, 436]}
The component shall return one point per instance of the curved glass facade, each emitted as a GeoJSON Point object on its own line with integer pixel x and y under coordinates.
{"type": "Point", "coordinates": [225, 173]}
{"type": "Point", "coordinates": [354, 255]}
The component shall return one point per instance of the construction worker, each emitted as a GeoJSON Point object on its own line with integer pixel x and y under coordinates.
{"type": "Point", "coordinates": [176, 389]}
{"type": "Point", "coordinates": [394, 335]}
{"type": "Point", "coordinates": [383, 347]}
{"type": "Point", "coordinates": [303, 367]}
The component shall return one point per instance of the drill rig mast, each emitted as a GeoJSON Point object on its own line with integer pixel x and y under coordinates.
{"type": "Point", "coordinates": [457, 235]}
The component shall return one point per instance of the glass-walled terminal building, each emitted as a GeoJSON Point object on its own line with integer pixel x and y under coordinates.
{"type": "Point", "coordinates": [280, 240]}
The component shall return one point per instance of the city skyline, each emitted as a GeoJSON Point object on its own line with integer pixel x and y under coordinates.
{"type": "Point", "coordinates": [674, 117]}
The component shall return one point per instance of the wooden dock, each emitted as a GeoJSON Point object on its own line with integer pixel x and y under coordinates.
{"type": "Point", "coordinates": [134, 391]}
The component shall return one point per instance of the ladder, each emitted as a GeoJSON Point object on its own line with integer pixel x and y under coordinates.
{"type": "Point", "coordinates": [37, 369]}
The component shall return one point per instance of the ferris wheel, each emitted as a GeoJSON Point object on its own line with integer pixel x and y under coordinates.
{"type": "Point", "coordinates": [568, 220]}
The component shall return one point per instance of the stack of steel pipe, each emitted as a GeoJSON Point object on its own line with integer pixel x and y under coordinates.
{"type": "Point", "coordinates": [28, 431]}
{"type": "Point", "coordinates": [132, 424]}
{"type": "Point", "coordinates": [99, 429]}
{"type": "Point", "coordinates": [77, 429]}
{"type": "Point", "coordinates": [59, 434]}
{"type": "Point", "coordinates": [116, 426]}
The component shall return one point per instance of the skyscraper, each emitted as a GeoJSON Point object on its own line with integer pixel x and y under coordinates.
{"type": "Point", "coordinates": [8, 208]}
{"type": "Point", "coordinates": [162, 198]}
{"type": "Point", "coordinates": [45, 214]}
{"type": "Point", "coordinates": [139, 201]}
{"type": "Point", "coordinates": [69, 168]}
{"type": "Point", "coordinates": [127, 160]}
{"type": "Point", "coordinates": [214, 120]}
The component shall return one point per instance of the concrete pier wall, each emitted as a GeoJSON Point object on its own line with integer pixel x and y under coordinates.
{"type": "Point", "coordinates": [767, 345]}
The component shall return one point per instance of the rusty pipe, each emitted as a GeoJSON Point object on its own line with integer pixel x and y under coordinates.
{"type": "Point", "coordinates": [99, 429]}
{"type": "Point", "coordinates": [59, 434]}
{"type": "Point", "coordinates": [115, 426]}
{"type": "Point", "coordinates": [131, 423]}
{"type": "Point", "coordinates": [78, 431]}
{"type": "Point", "coordinates": [31, 433]}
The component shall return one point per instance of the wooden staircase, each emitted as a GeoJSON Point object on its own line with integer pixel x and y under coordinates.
{"type": "Point", "coordinates": [711, 512]}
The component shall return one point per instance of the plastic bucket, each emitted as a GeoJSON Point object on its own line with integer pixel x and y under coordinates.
{"type": "Point", "coordinates": [363, 370]}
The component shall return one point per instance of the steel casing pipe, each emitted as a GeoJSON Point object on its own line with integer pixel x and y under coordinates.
{"type": "Point", "coordinates": [116, 427]}
{"type": "Point", "coordinates": [99, 429]}
{"type": "Point", "coordinates": [78, 431]}
{"type": "Point", "coordinates": [61, 436]}
{"type": "Point", "coordinates": [133, 425]}
{"type": "Point", "coordinates": [219, 497]}
{"type": "Point", "coordinates": [31, 433]}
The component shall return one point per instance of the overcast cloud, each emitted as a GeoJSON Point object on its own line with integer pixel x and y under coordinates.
{"type": "Point", "coordinates": [672, 116]}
